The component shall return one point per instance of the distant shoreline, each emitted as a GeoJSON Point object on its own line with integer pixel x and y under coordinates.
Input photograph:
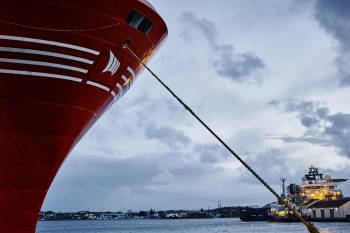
{"type": "Point", "coordinates": [223, 212]}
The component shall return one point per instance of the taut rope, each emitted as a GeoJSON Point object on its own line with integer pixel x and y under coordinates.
{"type": "Point", "coordinates": [311, 228]}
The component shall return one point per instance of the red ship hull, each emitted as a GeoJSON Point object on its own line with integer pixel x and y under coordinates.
{"type": "Point", "coordinates": [61, 66]}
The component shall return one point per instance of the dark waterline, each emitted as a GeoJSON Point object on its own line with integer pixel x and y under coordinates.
{"type": "Point", "coordinates": [183, 226]}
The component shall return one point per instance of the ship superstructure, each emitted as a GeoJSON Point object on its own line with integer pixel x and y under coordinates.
{"type": "Point", "coordinates": [315, 187]}
{"type": "Point", "coordinates": [62, 64]}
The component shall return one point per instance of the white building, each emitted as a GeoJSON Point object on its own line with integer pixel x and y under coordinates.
{"type": "Point", "coordinates": [337, 209]}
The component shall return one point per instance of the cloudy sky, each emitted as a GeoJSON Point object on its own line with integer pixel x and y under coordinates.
{"type": "Point", "coordinates": [273, 79]}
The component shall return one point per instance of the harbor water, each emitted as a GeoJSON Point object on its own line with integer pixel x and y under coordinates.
{"type": "Point", "coordinates": [182, 226]}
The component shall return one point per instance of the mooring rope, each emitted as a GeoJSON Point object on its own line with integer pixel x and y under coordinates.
{"type": "Point", "coordinates": [310, 226]}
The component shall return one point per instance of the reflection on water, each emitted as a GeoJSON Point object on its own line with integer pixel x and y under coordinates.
{"type": "Point", "coordinates": [183, 226]}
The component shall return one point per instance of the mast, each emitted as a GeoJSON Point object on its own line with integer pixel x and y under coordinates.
{"type": "Point", "coordinates": [283, 187]}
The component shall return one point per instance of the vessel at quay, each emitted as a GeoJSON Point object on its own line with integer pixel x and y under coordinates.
{"type": "Point", "coordinates": [317, 197]}
{"type": "Point", "coordinates": [249, 214]}
{"type": "Point", "coordinates": [62, 64]}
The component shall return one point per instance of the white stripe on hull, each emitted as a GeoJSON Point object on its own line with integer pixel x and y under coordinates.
{"type": "Point", "coordinates": [133, 75]}
{"type": "Point", "coordinates": [114, 95]}
{"type": "Point", "coordinates": [40, 74]}
{"type": "Point", "coordinates": [120, 93]}
{"type": "Point", "coordinates": [112, 66]}
{"type": "Point", "coordinates": [132, 72]}
{"type": "Point", "coordinates": [46, 64]}
{"type": "Point", "coordinates": [124, 78]}
{"type": "Point", "coordinates": [98, 85]}
{"type": "Point", "coordinates": [49, 42]}
{"type": "Point", "coordinates": [45, 53]}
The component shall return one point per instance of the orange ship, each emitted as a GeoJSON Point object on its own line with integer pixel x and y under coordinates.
{"type": "Point", "coordinates": [61, 66]}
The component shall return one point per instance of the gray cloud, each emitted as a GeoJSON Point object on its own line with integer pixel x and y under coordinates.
{"type": "Point", "coordinates": [211, 153]}
{"type": "Point", "coordinates": [333, 17]}
{"type": "Point", "coordinates": [271, 165]}
{"type": "Point", "coordinates": [167, 135]}
{"type": "Point", "coordinates": [339, 130]}
{"type": "Point", "coordinates": [322, 127]}
{"type": "Point", "coordinates": [143, 181]}
{"type": "Point", "coordinates": [226, 61]}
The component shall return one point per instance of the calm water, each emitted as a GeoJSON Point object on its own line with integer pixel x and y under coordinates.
{"type": "Point", "coordinates": [182, 226]}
